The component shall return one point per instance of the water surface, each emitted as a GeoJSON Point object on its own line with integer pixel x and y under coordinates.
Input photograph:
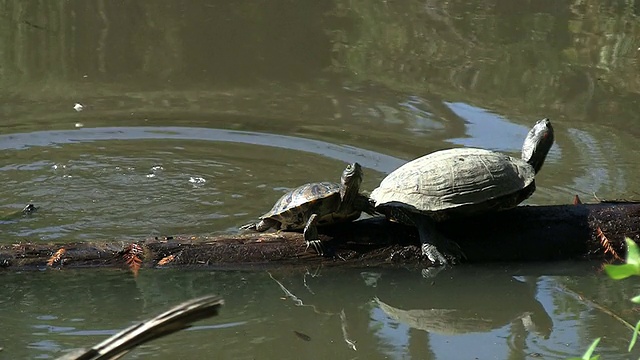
{"type": "Point", "coordinates": [481, 311]}
{"type": "Point", "coordinates": [124, 120]}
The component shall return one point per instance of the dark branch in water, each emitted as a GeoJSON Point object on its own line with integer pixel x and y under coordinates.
{"type": "Point", "coordinates": [527, 233]}
{"type": "Point", "coordinates": [175, 319]}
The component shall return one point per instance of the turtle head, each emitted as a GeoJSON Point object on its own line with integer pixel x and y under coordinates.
{"type": "Point", "coordinates": [350, 182]}
{"type": "Point", "coordinates": [537, 144]}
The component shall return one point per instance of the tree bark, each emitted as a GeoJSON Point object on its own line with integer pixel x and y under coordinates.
{"type": "Point", "coordinates": [526, 233]}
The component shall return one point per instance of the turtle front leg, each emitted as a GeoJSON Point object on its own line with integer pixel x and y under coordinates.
{"type": "Point", "coordinates": [435, 246]}
{"type": "Point", "coordinates": [311, 235]}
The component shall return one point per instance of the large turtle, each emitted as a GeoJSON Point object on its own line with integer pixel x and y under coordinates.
{"type": "Point", "coordinates": [457, 182]}
{"type": "Point", "coordinates": [316, 204]}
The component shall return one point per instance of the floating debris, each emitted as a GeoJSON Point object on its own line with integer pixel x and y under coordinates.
{"type": "Point", "coordinates": [345, 331]}
{"type": "Point", "coordinates": [175, 319]}
{"type": "Point", "coordinates": [78, 107]}
{"type": "Point", "coordinates": [371, 278]}
{"type": "Point", "coordinates": [29, 209]}
{"type": "Point", "coordinates": [197, 180]}
{"type": "Point", "coordinates": [302, 336]}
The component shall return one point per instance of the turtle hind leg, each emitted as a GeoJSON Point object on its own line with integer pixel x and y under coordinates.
{"type": "Point", "coordinates": [435, 246]}
{"type": "Point", "coordinates": [262, 225]}
{"type": "Point", "coordinates": [311, 235]}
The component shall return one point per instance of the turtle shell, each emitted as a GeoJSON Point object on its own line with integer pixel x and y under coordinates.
{"type": "Point", "coordinates": [459, 181]}
{"type": "Point", "coordinates": [293, 209]}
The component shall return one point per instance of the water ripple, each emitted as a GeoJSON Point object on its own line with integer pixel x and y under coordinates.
{"type": "Point", "coordinates": [345, 153]}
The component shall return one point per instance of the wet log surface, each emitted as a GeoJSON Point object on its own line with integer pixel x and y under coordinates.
{"type": "Point", "coordinates": [527, 233]}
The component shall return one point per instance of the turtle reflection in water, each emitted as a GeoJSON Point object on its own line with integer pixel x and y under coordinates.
{"type": "Point", "coordinates": [457, 182]}
{"type": "Point", "coordinates": [464, 321]}
{"type": "Point", "coordinates": [316, 204]}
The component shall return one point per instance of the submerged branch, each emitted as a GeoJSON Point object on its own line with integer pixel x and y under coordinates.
{"type": "Point", "coordinates": [527, 233]}
{"type": "Point", "coordinates": [175, 319]}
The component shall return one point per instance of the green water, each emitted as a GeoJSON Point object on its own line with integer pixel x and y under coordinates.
{"type": "Point", "coordinates": [196, 116]}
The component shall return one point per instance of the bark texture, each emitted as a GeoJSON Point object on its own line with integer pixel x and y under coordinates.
{"type": "Point", "coordinates": [526, 233]}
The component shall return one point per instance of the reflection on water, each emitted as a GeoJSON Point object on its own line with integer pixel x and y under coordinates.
{"type": "Point", "coordinates": [198, 115]}
{"type": "Point", "coordinates": [373, 314]}
{"type": "Point", "coordinates": [347, 154]}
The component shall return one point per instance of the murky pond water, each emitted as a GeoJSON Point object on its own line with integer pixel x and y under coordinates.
{"type": "Point", "coordinates": [123, 120]}
{"type": "Point", "coordinates": [485, 312]}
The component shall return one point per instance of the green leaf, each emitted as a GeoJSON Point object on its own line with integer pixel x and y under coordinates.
{"type": "Point", "coordinates": [635, 336]}
{"type": "Point", "coordinates": [590, 350]}
{"type": "Point", "coordinates": [636, 299]}
{"type": "Point", "coordinates": [633, 253]}
{"type": "Point", "coordinates": [631, 266]}
{"type": "Point", "coordinates": [619, 272]}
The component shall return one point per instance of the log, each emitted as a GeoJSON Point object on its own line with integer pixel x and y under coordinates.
{"type": "Point", "coordinates": [526, 233]}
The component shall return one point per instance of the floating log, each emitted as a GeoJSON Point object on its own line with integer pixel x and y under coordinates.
{"type": "Point", "coordinates": [526, 233]}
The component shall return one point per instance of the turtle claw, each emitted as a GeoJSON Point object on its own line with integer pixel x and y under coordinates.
{"type": "Point", "coordinates": [250, 226]}
{"type": "Point", "coordinates": [262, 225]}
{"type": "Point", "coordinates": [311, 235]}
{"type": "Point", "coordinates": [317, 246]}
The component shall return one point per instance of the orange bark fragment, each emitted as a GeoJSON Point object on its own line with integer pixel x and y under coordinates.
{"type": "Point", "coordinates": [165, 260]}
{"type": "Point", "coordinates": [56, 257]}
{"type": "Point", "coordinates": [606, 245]}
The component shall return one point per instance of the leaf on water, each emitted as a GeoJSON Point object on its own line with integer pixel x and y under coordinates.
{"type": "Point", "coordinates": [133, 257]}
{"type": "Point", "coordinates": [134, 263]}
{"type": "Point", "coordinates": [165, 260]}
{"type": "Point", "coordinates": [56, 257]}
{"type": "Point", "coordinates": [636, 299]}
{"type": "Point", "coordinates": [302, 336]}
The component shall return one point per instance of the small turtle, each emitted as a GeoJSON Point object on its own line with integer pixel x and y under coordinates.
{"type": "Point", "coordinates": [458, 182]}
{"type": "Point", "coordinates": [316, 204]}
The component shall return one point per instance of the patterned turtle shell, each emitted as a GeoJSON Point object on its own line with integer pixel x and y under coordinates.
{"type": "Point", "coordinates": [323, 198]}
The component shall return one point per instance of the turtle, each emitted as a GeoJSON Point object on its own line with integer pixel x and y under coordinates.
{"type": "Point", "coordinates": [460, 182]}
{"type": "Point", "coordinates": [316, 204]}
